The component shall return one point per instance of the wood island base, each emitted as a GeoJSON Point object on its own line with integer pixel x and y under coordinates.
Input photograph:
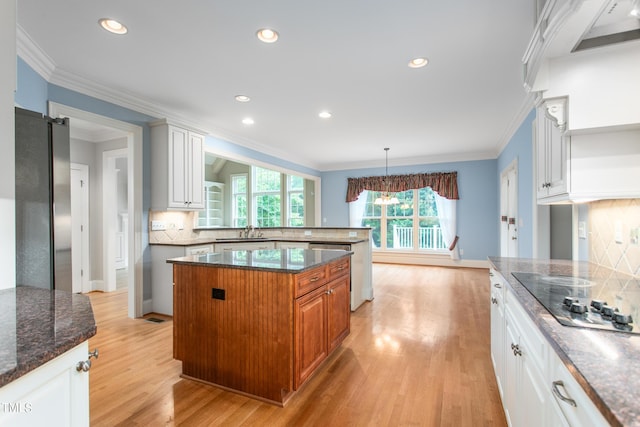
{"type": "Point", "coordinates": [255, 331]}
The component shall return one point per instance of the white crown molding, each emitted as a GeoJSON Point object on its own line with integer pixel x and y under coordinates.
{"type": "Point", "coordinates": [33, 55]}
{"type": "Point", "coordinates": [524, 110]}
{"type": "Point", "coordinates": [413, 161]}
{"type": "Point", "coordinates": [87, 87]}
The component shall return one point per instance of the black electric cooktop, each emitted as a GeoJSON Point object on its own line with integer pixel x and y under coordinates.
{"type": "Point", "coordinates": [612, 304]}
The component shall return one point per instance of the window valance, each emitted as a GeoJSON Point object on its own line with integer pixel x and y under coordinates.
{"type": "Point", "coordinates": [443, 183]}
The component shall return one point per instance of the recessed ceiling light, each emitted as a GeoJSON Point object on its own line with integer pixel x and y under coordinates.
{"type": "Point", "coordinates": [267, 35]}
{"type": "Point", "coordinates": [324, 115]}
{"type": "Point", "coordinates": [418, 62]}
{"type": "Point", "coordinates": [112, 26]}
{"type": "Point", "coordinates": [242, 98]}
{"type": "Point", "coordinates": [247, 121]}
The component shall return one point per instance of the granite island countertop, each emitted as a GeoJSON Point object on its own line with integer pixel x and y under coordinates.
{"type": "Point", "coordinates": [38, 325]}
{"type": "Point", "coordinates": [608, 371]}
{"type": "Point", "coordinates": [280, 260]}
{"type": "Point", "coordinates": [209, 240]}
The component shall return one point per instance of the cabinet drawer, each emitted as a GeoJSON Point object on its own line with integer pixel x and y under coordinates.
{"type": "Point", "coordinates": [310, 280]}
{"type": "Point", "coordinates": [571, 399]}
{"type": "Point", "coordinates": [339, 268]}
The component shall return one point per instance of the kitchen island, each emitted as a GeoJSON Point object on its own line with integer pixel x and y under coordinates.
{"type": "Point", "coordinates": [603, 363]}
{"type": "Point", "coordinates": [259, 322]}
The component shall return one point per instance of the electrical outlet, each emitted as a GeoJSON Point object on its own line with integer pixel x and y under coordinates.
{"type": "Point", "coordinates": [353, 234]}
{"type": "Point", "coordinates": [158, 226]}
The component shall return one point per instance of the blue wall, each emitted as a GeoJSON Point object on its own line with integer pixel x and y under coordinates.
{"type": "Point", "coordinates": [477, 207]}
{"type": "Point", "coordinates": [521, 147]}
{"type": "Point", "coordinates": [478, 181]}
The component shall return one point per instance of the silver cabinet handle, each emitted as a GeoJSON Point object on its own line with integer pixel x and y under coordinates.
{"type": "Point", "coordinates": [93, 353]}
{"type": "Point", "coordinates": [494, 300]}
{"type": "Point", "coordinates": [83, 366]}
{"type": "Point", "coordinates": [560, 396]}
{"type": "Point", "coordinates": [497, 285]}
{"type": "Point", "coordinates": [516, 349]}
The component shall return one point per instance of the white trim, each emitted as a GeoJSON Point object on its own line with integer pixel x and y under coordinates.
{"type": "Point", "coordinates": [33, 55]}
{"type": "Point", "coordinates": [109, 215]}
{"type": "Point", "coordinates": [409, 258]}
{"type": "Point", "coordinates": [84, 220]}
{"type": "Point", "coordinates": [96, 285]}
{"type": "Point", "coordinates": [134, 164]}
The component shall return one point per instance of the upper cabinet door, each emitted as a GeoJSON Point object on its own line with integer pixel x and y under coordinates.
{"type": "Point", "coordinates": [177, 169]}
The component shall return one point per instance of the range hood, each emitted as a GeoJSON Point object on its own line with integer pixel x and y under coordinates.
{"type": "Point", "coordinates": [619, 22]}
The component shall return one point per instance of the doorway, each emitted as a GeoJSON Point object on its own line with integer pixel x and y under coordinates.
{"type": "Point", "coordinates": [509, 211]}
{"type": "Point", "coordinates": [134, 197]}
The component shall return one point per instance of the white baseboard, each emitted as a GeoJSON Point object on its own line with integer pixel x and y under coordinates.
{"type": "Point", "coordinates": [426, 259]}
{"type": "Point", "coordinates": [147, 306]}
{"type": "Point", "coordinates": [96, 285]}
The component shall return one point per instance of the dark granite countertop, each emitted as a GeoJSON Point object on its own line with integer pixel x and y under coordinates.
{"type": "Point", "coordinates": [282, 260]}
{"type": "Point", "coordinates": [37, 325]}
{"type": "Point", "coordinates": [605, 363]}
{"type": "Point", "coordinates": [306, 239]}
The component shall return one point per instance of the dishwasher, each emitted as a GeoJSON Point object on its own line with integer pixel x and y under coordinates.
{"type": "Point", "coordinates": [357, 264]}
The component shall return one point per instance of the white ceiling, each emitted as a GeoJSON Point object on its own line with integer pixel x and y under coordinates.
{"type": "Point", "coordinates": [187, 60]}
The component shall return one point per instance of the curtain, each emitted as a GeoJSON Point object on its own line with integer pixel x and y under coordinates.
{"type": "Point", "coordinates": [447, 217]}
{"type": "Point", "coordinates": [443, 183]}
{"type": "Point", "coordinates": [356, 210]}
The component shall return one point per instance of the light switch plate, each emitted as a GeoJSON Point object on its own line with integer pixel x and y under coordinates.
{"type": "Point", "coordinates": [582, 230]}
{"type": "Point", "coordinates": [353, 234]}
{"type": "Point", "coordinates": [618, 232]}
{"type": "Point", "coordinates": [307, 232]}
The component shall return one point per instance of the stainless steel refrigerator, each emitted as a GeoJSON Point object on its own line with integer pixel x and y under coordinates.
{"type": "Point", "coordinates": [43, 201]}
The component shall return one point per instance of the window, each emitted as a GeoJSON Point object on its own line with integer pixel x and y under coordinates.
{"type": "Point", "coordinates": [295, 201]}
{"type": "Point", "coordinates": [239, 200]}
{"type": "Point", "coordinates": [267, 196]}
{"type": "Point", "coordinates": [412, 224]}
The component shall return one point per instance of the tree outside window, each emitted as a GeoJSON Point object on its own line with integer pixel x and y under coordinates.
{"type": "Point", "coordinates": [295, 201]}
{"type": "Point", "coordinates": [412, 224]}
{"type": "Point", "coordinates": [267, 197]}
{"type": "Point", "coordinates": [239, 209]}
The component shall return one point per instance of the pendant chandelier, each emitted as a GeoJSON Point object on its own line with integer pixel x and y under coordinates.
{"type": "Point", "coordinates": [385, 198]}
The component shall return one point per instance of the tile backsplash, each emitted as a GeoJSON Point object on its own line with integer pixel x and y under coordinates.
{"type": "Point", "coordinates": [614, 228]}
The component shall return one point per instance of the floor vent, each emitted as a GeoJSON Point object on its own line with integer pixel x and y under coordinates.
{"type": "Point", "coordinates": [154, 320]}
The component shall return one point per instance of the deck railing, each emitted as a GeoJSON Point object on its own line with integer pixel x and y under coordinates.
{"type": "Point", "coordinates": [428, 237]}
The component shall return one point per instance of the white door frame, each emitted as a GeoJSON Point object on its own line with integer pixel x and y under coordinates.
{"type": "Point", "coordinates": [509, 210]}
{"type": "Point", "coordinates": [134, 166]}
{"type": "Point", "coordinates": [80, 221]}
{"type": "Point", "coordinates": [110, 215]}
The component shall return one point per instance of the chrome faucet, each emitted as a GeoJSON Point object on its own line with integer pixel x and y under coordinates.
{"type": "Point", "coordinates": [248, 230]}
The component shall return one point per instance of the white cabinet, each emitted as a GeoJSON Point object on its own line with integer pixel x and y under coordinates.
{"type": "Point", "coordinates": [535, 386]}
{"type": "Point", "coordinates": [526, 396]}
{"type": "Point", "coordinates": [162, 274]}
{"type": "Point", "coordinates": [552, 166]}
{"type": "Point", "coordinates": [497, 329]}
{"type": "Point", "coordinates": [177, 168]}
{"type": "Point", "coordinates": [570, 403]}
{"type": "Point", "coordinates": [54, 394]}
{"type": "Point", "coordinates": [212, 215]}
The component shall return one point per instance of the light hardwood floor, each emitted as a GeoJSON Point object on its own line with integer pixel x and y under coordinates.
{"type": "Point", "coordinates": [418, 355]}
